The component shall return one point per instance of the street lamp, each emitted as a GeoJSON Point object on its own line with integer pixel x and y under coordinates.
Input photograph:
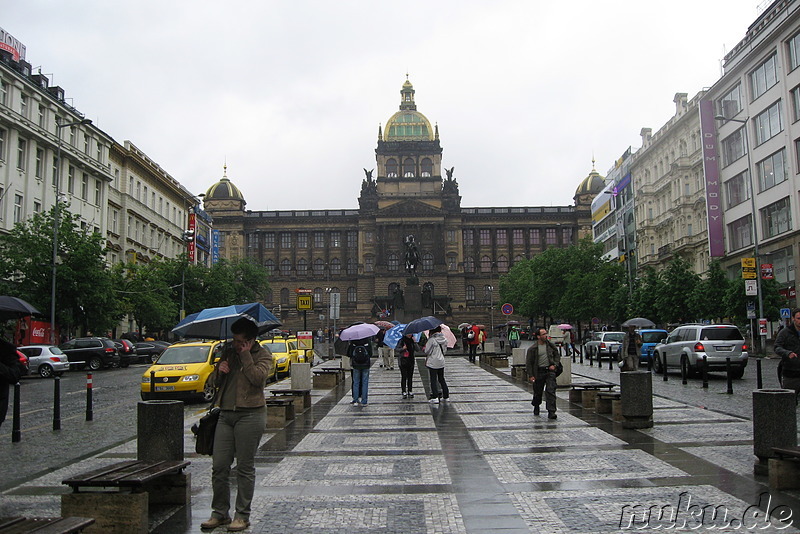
{"type": "Point", "coordinates": [491, 308]}
{"type": "Point", "coordinates": [57, 187]}
{"type": "Point", "coordinates": [754, 216]}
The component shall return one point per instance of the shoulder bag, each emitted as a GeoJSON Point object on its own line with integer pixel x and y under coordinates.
{"type": "Point", "coordinates": [205, 428]}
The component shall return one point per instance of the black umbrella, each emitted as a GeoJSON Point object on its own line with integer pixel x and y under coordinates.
{"type": "Point", "coordinates": [639, 322]}
{"type": "Point", "coordinates": [14, 308]}
{"type": "Point", "coordinates": [422, 324]}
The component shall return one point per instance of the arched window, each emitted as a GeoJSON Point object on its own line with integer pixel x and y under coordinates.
{"type": "Point", "coordinates": [302, 267]}
{"type": "Point", "coordinates": [519, 259]}
{"type": "Point", "coordinates": [269, 265]}
{"type": "Point", "coordinates": [352, 296]}
{"type": "Point", "coordinates": [285, 296]}
{"type": "Point", "coordinates": [427, 167]}
{"type": "Point", "coordinates": [408, 168]}
{"type": "Point", "coordinates": [469, 265]}
{"type": "Point", "coordinates": [452, 262]}
{"type": "Point", "coordinates": [393, 287]}
{"type": "Point", "coordinates": [352, 266]}
{"type": "Point", "coordinates": [427, 262]}
{"type": "Point", "coordinates": [336, 266]}
{"type": "Point", "coordinates": [391, 168]}
{"type": "Point", "coordinates": [319, 267]}
{"type": "Point", "coordinates": [317, 296]}
{"type": "Point", "coordinates": [269, 296]}
{"type": "Point", "coordinates": [486, 264]}
{"type": "Point", "coordinates": [502, 264]}
{"type": "Point", "coordinates": [393, 263]}
{"type": "Point", "coordinates": [470, 293]}
{"type": "Point", "coordinates": [286, 267]}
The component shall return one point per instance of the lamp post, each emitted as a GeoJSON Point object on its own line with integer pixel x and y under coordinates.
{"type": "Point", "coordinates": [491, 309]}
{"type": "Point", "coordinates": [57, 188]}
{"type": "Point", "coordinates": [754, 216]}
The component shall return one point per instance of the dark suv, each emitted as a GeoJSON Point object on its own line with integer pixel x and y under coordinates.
{"type": "Point", "coordinates": [94, 352]}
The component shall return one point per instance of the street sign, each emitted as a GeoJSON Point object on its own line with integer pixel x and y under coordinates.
{"type": "Point", "coordinates": [335, 300]}
{"type": "Point", "coordinates": [762, 327]}
{"type": "Point", "coordinates": [786, 313]}
{"type": "Point", "coordinates": [751, 309]}
{"type": "Point", "coordinates": [305, 302]}
{"type": "Point", "coordinates": [507, 309]}
{"type": "Point", "coordinates": [749, 268]}
{"type": "Point", "coordinates": [751, 288]}
{"type": "Point", "coordinates": [305, 340]}
{"type": "Point", "coordinates": [767, 272]}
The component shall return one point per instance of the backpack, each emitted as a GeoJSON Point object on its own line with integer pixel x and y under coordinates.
{"type": "Point", "coordinates": [471, 334]}
{"type": "Point", "coordinates": [360, 355]}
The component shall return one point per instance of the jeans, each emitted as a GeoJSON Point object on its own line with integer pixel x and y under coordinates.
{"type": "Point", "coordinates": [360, 384]}
{"type": "Point", "coordinates": [406, 374]}
{"type": "Point", "coordinates": [437, 379]}
{"type": "Point", "coordinates": [545, 381]}
{"type": "Point", "coordinates": [473, 351]}
{"type": "Point", "coordinates": [238, 435]}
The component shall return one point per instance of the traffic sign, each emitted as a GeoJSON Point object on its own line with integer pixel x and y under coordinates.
{"type": "Point", "coordinates": [749, 268]}
{"type": "Point", "coordinates": [786, 313]}
{"type": "Point", "coordinates": [751, 288]}
{"type": "Point", "coordinates": [305, 302]}
{"type": "Point", "coordinates": [507, 309]}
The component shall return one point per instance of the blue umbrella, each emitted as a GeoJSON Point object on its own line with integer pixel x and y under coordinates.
{"type": "Point", "coordinates": [215, 323]}
{"type": "Point", "coordinates": [393, 336]}
{"type": "Point", "coordinates": [422, 324]}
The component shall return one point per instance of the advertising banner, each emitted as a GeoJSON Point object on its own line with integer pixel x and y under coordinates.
{"type": "Point", "coordinates": [716, 243]}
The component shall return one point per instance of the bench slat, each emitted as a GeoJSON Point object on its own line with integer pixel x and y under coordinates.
{"type": "Point", "coordinates": [51, 525]}
{"type": "Point", "coordinates": [793, 452]}
{"type": "Point", "coordinates": [130, 474]}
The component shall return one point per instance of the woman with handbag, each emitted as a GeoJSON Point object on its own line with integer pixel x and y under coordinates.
{"type": "Point", "coordinates": [405, 358]}
{"type": "Point", "coordinates": [435, 348]}
{"type": "Point", "coordinates": [240, 377]}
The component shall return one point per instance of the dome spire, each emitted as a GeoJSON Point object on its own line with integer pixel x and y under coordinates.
{"type": "Point", "coordinates": [407, 96]}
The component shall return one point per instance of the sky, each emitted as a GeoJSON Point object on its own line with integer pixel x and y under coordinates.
{"type": "Point", "coordinates": [290, 94]}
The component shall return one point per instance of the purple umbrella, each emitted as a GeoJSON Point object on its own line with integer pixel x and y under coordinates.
{"type": "Point", "coordinates": [358, 331]}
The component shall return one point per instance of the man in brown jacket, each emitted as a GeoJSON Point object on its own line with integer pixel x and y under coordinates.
{"type": "Point", "coordinates": [541, 360]}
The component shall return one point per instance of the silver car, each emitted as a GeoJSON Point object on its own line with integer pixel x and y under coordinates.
{"type": "Point", "coordinates": [605, 344]}
{"type": "Point", "coordinates": [686, 346]}
{"type": "Point", "coordinates": [47, 360]}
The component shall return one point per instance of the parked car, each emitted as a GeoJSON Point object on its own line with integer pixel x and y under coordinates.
{"type": "Point", "coordinates": [23, 361]}
{"type": "Point", "coordinates": [284, 354]}
{"type": "Point", "coordinates": [686, 346]}
{"type": "Point", "coordinates": [91, 352]}
{"type": "Point", "coordinates": [604, 344]}
{"type": "Point", "coordinates": [149, 351]}
{"type": "Point", "coordinates": [650, 338]}
{"type": "Point", "coordinates": [183, 371]}
{"type": "Point", "coordinates": [127, 352]}
{"type": "Point", "coordinates": [45, 360]}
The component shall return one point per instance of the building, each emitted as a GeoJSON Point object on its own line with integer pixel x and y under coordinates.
{"type": "Point", "coordinates": [359, 254]}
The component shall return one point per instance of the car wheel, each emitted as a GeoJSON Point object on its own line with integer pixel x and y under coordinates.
{"type": "Point", "coordinates": [45, 371]}
{"type": "Point", "coordinates": [737, 373]}
{"type": "Point", "coordinates": [687, 369]}
{"type": "Point", "coordinates": [95, 363]}
{"type": "Point", "coordinates": [208, 391]}
{"type": "Point", "coordinates": [657, 363]}
{"type": "Point", "coordinates": [125, 364]}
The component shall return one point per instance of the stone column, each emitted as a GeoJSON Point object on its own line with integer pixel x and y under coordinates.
{"type": "Point", "coordinates": [301, 376]}
{"type": "Point", "coordinates": [774, 424]}
{"type": "Point", "coordinates": [518, 356]}
{"type": "Point", "coordinates": [636, 399]}
{"type": "Point", "coordinates": [159, 430]}
{"type": "Point", "coordinates": [566, 377]}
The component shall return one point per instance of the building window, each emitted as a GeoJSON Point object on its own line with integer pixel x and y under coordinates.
{"type": "Point", "coordinates": [501, 236]}
{"type": "Point", "coordinates": [39, 158]}
{"type": "Point", "coordinates": [319, 240]}
{"type": "Point", "coordinates": [269, 240]}
{"type": "Point", "coordinates": [42, 116]}
{"type": "Point", "coordinates": [352, 267]}
{"type": "Point", "coordinates": [776, 218]}
{"type": "Point", "coordinates": [427, 262]}
{"type": "Point", "coordinates": [302, 239]}
{"type": "Point", "coordinates": [286, 267]}
{"type": "Point", "coordinates": [733, 147]}
{"type": "Point", "coordinates": [517, 237]}
{"type": "Point", "coordinates": [551, 237]}
{"type": "Point", "coordinates": [470, 293]}
{"type": "Point", "coordinates": [352, 295]}
{"type": "Point", "coordinates": [97, 192]}
{"type": "Point", "coordinates": [408, 168]}
{"type": "Point", "coordinates": [269, 266]}
{"type": "Point", "coordinates": [319, 267]}
{"type": "Point", "coordinates": [37, 206]}
{"type": "Point", "coordinates": [286, 239]}
{"type": "Point", "coordinates": [352, 240]}
{"type": "Point", "coordinates": [486, 238]}
{"type": "Point", "coordinates": [23, 105]}
{"type": "Point", "coordinates": [114, 221]}
{"type": "Point", "coordinates": [740, 233]}
{"type": "Point", "coordinates": [285, 296]}
{"type": "Point", "coordinates": [391, 168]}
{"type": "Point", "coordinates": [71, 180]}
{"type": "Point", "coordinates": [252, 240]}
{"type": "Point", "coordinates": [3, 135]}
{"type": "Point", "coordinates": [452, 262]}
{"type": "Point", "coordinates": [369, 264]}
{"type": "Point", "coordinates": [22, 153]}
{"type": "Point", "coordinates": [17, 209]}
{"type": "Point", "coordinates": [768, 123]}
{"type": "Point", "coordinates": [336, 239]}
{"type": "Point", "coordinates": [535, 237]}
{"type": "Point", "coordinates": [795, 104]}
{"type": "Point", "coordinates": [99, 152]}
{"type": "Point", "coordinates": [566, 236]}
{"type": "Point", "coordinates": [771, 171]}
{"type": "Point", "coordinates": [468, 238]}
{"type": "Point", "coordinates": [486, 264]}
{"type": "Point", "coordinates": [469, 265]}
{"type": "Point", "coordinates": [336, 266]}
{"type": "Point", "coordinates": [393, 263]}
{"type": "Point", "coordinates": [368, 237]}
{"type": "Point", "coordinates": [737, 190]}
{"type": "Point", "coordinates": [451, 236]}
{"type": "Point", "coordinates": [87, 144]}
{"type": "Point", "coordinates": [427, 167]}
{"type": "Point", "coordinates": [3, 93]}
{"type": "Point", "coordinates": [84, 186]}
{"type": "Point", "coordinates": [317, 296]}
{"type": "Point", "coordinates": [764, 76]}
{"type": "Point", "coordinates": [518, 259]}
{"type": "Point", "coordinates": [793, 46]}
{"type": "Point", "coordinates": [502, 264]}
{"type": "Point", "coordinates": [302, 267]}
{"type": "Point", "coordinates": [72, 135]}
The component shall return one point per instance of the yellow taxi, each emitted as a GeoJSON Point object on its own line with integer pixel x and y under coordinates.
{"type": "Point", "coordinates": [284, 353]}
{"type": "Point", "coordinates": [183, 371]}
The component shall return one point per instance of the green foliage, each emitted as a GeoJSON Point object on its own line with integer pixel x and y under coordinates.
{"type": "Point", "coordinates": [677, 283]}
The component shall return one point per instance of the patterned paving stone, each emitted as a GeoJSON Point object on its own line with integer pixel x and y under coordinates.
{"type": "Point", "coordinates": [384, 421]}
{"type": "Point", "coordinates": [418, 406]}
{"type": "Point", "coordinates": [688, 415]}
{"type": "Point", "coordinates": [564, 466]}
{"type": "Point", "coordinates": [690, 433]}
{"type": "Point", "coordinates": [483, 397]}
{"type": "Point", "coordinates": [625, 509]}
{"type": "Point", "coordinates": [736, 458]}
{"type": "Point", "coordinates": [542, 437]}
{"type": "Point", "coordinates": [517, 419]}
{"type": "Point", "coordinates": [495, 407]}
{"type": "Point", "coordinates": [366, 471]}
{"type": "Point", "coordinates": [364, 441]}
{"type": "Point", "coordinates": [431, 513]}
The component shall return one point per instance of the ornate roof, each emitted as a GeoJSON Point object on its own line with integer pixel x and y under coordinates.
{"type": "Point", "coordinates": [592, 184]}
{"type": "Point", "coordinates": [408, 124]}
{"type": "Point", "coordinates": [224, 189]}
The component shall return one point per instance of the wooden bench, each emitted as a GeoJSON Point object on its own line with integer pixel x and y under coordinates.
{"type": "Point", "coordinates": [40, 525]}
{"type": "Point", "coordinates": [518, 371]}
{"type": "Point", "coordinates": [603, 402]}
{"type": "Point", "coordinates": [279, 412]}
{"type": "Point", "coordinates": [301, 397]}
{"type": "Point", "coordinates": [784, 471]}
{"type": "Point", "coordinates": [585, 393]}
{"type": "Point", "coordinates": [497, 360]}
{"type": "Point", "coordinates": [325, 377]}
{"type": "Point", "coordinates": [118, 496]}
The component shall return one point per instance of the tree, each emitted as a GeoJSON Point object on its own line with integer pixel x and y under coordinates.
{"type": "Point", "coordinates": [708, 298]}
{"type": "Point", "coordinates": [677, 283]}
{"type": "Point", "coordinates": [145, 295]}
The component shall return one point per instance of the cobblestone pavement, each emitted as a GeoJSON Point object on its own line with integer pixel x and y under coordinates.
{"type": "Point", "coordinates": [481, 462]}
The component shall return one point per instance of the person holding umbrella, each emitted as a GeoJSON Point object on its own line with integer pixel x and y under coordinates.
{"type": "Point", "coordinates": [10, 372]}
{"type": "Point", "coordinates": [360, 351]}
{"type": "Point", "coordinates": [631, 350]}
{"type": "Point", "coordinates": [240, 377]}
{"type": "Point", "coordinates": [435, 348]}
{"type": "Point", "coordinates": [405, 358]}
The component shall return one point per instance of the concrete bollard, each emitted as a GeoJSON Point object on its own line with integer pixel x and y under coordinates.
{"type": "Point", "coordinates": [566, 377]}
{"type": "Point", "coordinates": [159, 430]}
{"type": "Point", "coordinates": [489, 346]}
{"type": "Point", "coordinates": [636, 398]}
{"type": "Point", "coordinates": [518, 356]}
{"type": "Point", "coordinates": [346, 363]}
{"type": "Point", "coordinates": [774, 424]}
{"type": "Point", "coordinates": [301, 376]}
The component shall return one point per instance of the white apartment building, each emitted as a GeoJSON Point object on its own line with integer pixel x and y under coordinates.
{"type": "Point", "coordinates": [759, 143]}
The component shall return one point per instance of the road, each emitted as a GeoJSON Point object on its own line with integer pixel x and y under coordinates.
{"type": "Point", "coordinates": [41, 449]}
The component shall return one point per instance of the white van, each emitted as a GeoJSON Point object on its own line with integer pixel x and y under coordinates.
{"type": "Point", "coordinates": [556, 335]}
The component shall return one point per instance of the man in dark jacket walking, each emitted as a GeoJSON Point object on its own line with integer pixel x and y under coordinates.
{"type": "Point", "coordinates": [787, 346]}
{"type": "Point", "coordinates": [541, 361]}
{"type": "Point", "coordinates": [10, 371]}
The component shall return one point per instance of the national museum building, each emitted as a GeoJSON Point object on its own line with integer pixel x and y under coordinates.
{"type": "Point", "coordinates": [361, 253]}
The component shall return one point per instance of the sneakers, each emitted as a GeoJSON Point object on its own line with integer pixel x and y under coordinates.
{"type": "Point", "coordinates": [552, 415]}
{"type": "Point", "coordinates": [434, 401]}
{"type": "Point", "coordinates": [536, 410]}
{"type": "Point", "coordinates": [364, 403]}
{"type": "Point", "coordinates": [405, 395]}
{"type": "Point", "coordinates": [214, 522]}
{"type": "Point", "coordinates": [353, 403]}
{"type": "Point", "coordinates": [238, 525]}
{"type": "Point", "coordinates": [410, 395]}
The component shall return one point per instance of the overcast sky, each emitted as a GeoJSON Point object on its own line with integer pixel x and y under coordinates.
{"type": "Point", "coordinates": [291, 93]}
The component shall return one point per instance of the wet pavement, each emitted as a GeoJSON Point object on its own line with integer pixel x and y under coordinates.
{"type": "Point", "coordinates": [480, 462]}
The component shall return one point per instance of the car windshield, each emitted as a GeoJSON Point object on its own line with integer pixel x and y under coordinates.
{"type": "Point", "coordinates": [653, 337]}
{"type": "Point", "coordinates": [276, 347]}
{"type": "Point", "coordinates": [614, 336]}
{"type": "Point", "coordinates": [190, 354]}
{"type": "Point", "coordinates": [721, 333]}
